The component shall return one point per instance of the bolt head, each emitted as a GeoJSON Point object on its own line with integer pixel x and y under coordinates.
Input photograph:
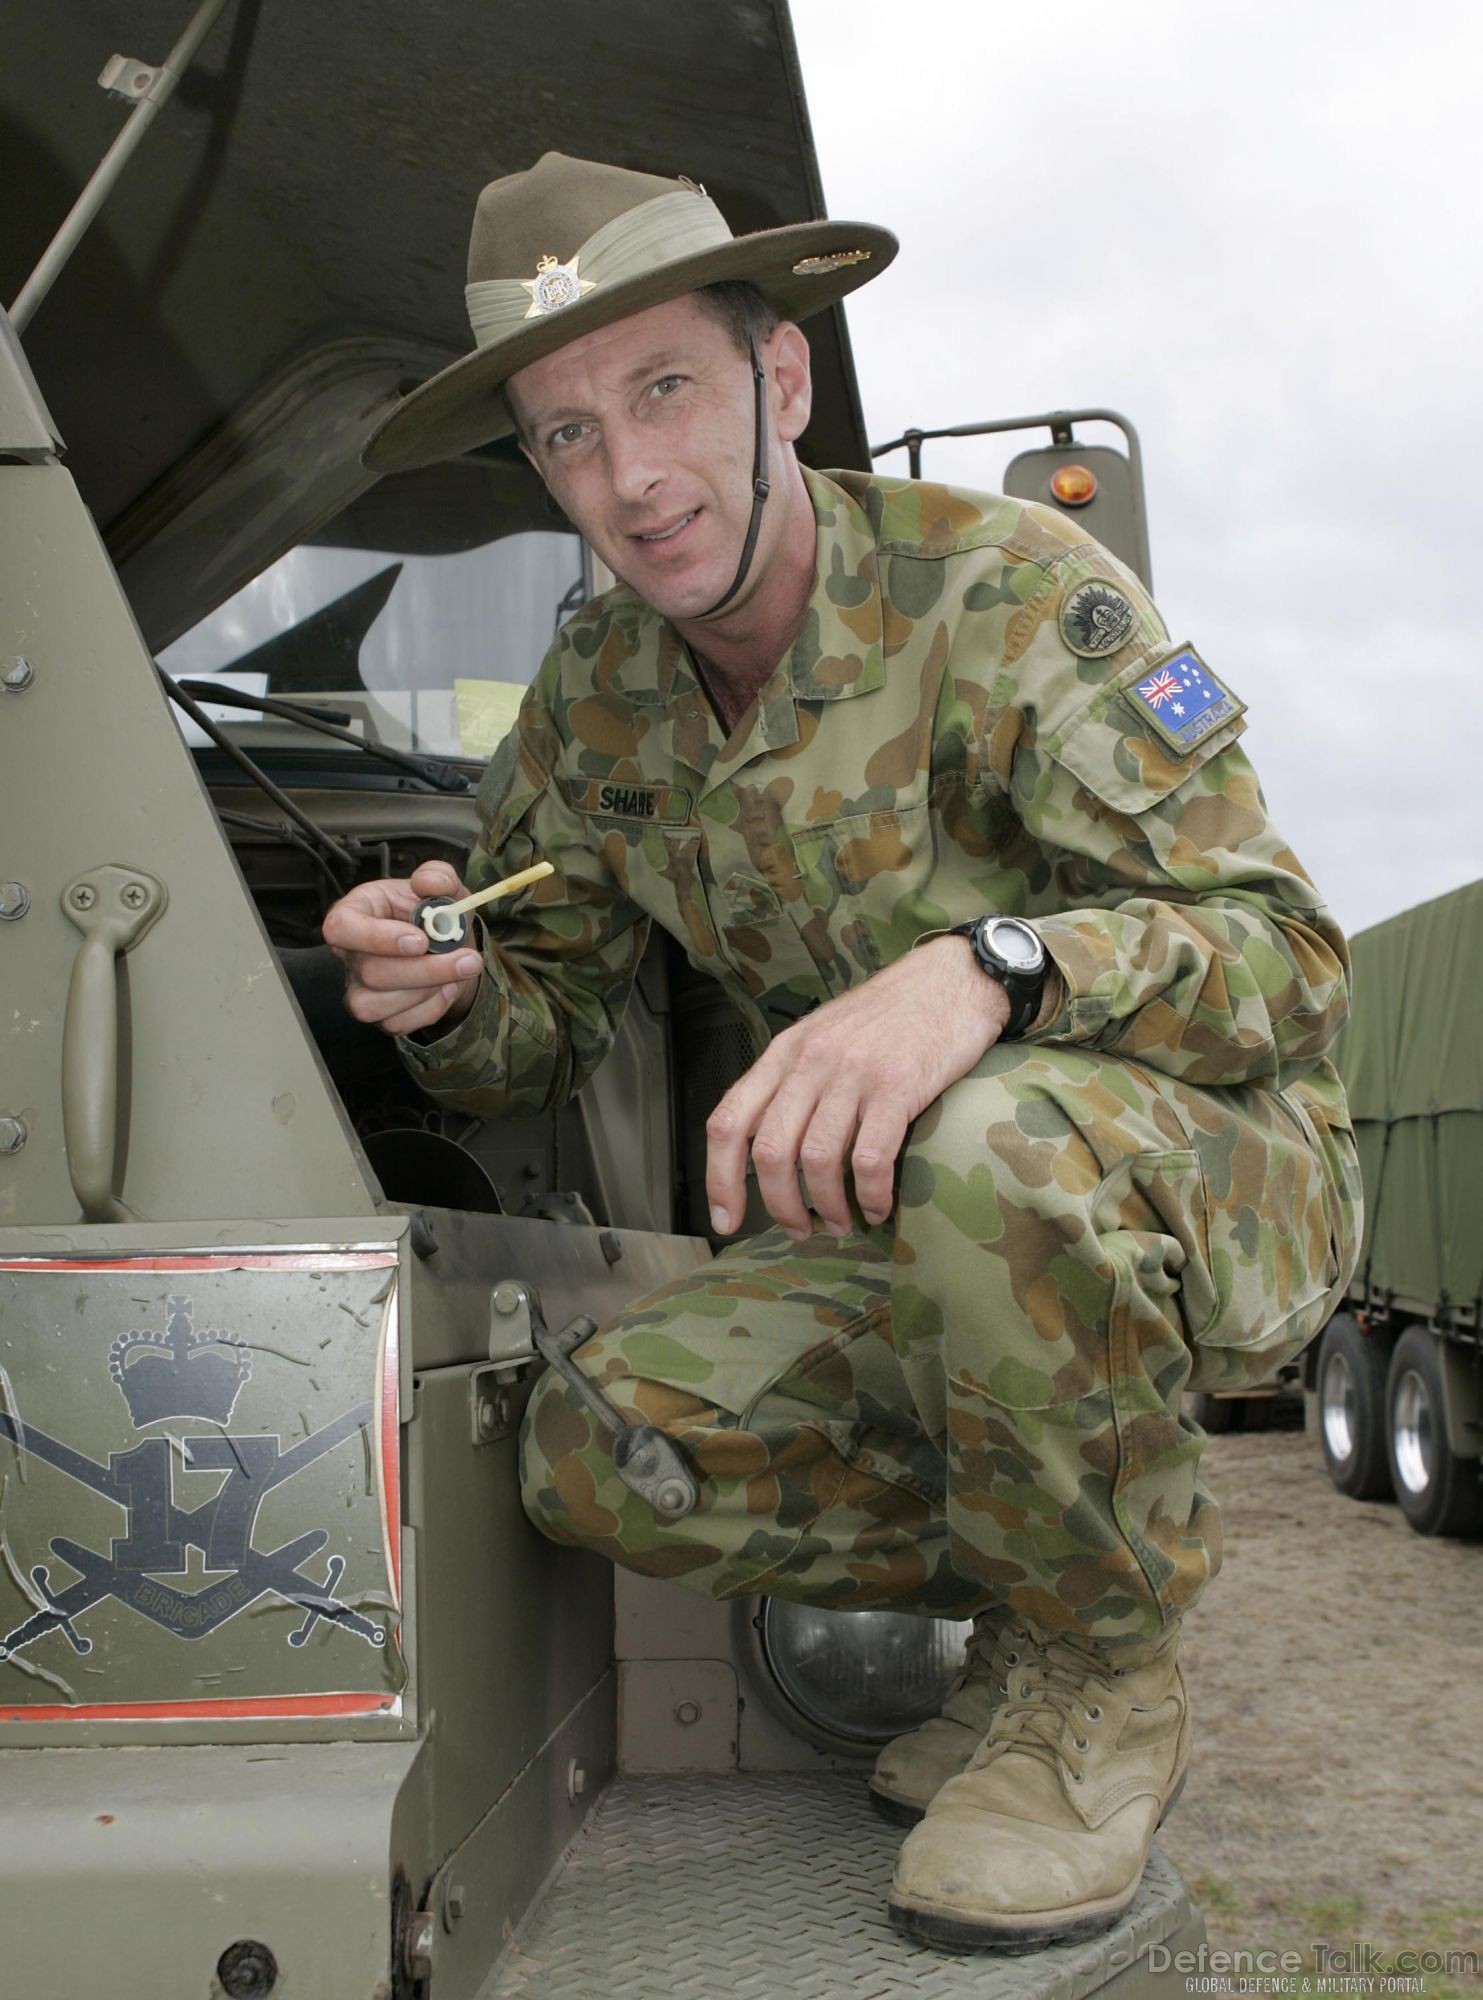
{"type": "Point", "coordinates": [135, 895]}
{"type": "Point", "coordinates": [247, 1970]}
{"type": "Point", "coordinates": [457, 1901]}
{"type": "Point", "coordinates": [13, 1134]}
{"type": "Point", "coordinates": [417, 1950]}
{"type": "Point", "coordinates": [17, 675]}
{"type": "Point", "coordinates": [507, 1300]}
{"type": "Point", "coordinates": [687, 1713]}
{"type": "Point", "coordinates": [488, 1417]}
{"type": "Point", "coordinates": [83, 897]}
{"type": "Point", "coordinates": [15, 900]}
{"type": "Point", "coordinates": [576, 1780]}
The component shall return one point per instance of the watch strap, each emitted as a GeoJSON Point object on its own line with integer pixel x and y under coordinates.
{"type": "Point", "coordinates": [1024, 989]}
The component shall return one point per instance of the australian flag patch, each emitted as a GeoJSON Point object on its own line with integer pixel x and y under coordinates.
{"type": "Point", "coordinates": [1183, 699]}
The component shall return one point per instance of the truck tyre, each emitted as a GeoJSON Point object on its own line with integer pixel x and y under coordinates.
{"type": "Point", "coordinates": [1214, 1414]}
{"type": "Point", "coordinates": [1351, 1409]}
{"type": "Point", "coordinates": [1439, 1493]}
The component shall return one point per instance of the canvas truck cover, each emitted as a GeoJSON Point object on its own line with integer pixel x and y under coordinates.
{"type": "Point", "coordinates": [1412, 1060]}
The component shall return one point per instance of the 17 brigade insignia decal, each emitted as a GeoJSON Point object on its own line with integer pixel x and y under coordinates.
{"type": "Point", "coordinates": [185, 1374]}
{"type": "Point", "coordinates": [190, 1567]}
{"type": "Point", "coordinates": [1096, 619]}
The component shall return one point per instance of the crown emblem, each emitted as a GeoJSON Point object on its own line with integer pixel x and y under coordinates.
{"type": "Point", "coordinates": [179, 1373]}
{"type": "Point", "coordinates": [555, 285]}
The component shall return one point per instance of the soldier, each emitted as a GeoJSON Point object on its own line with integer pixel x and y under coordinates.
{"type": "Point", "coordinates": [1059, 1139]}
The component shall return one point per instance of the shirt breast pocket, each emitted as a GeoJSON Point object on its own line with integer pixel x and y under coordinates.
{"type": "Point", "coordinates": [863, 883]}
{"type": "Point", "coordinates": [657, 864]}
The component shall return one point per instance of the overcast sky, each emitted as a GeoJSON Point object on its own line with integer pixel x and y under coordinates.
{"type": "Point", "coordinates": [1254, 230]}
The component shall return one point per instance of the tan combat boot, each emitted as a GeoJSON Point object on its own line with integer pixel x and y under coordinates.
{"type": "Point", "coordinates": [912, 1769]}
{"type": "Point", "coordinates": [1044, 1836]}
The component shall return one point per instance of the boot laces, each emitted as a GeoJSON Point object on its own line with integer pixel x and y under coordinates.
{"type": "Point", "coordinates": [990, 1649]}
{"type": "Point", "coordinates": [1047, 1710]}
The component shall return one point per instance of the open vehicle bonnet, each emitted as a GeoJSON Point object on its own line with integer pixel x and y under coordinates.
{"type": "Point", "coordinates": [285, 256]}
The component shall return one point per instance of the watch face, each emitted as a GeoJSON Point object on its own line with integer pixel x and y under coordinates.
{"type": "Point", "coordinates": [1015, 943]}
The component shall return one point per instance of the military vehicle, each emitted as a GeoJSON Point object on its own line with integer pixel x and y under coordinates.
{"type": "Point", "coordinates": [292, 1699]}
{"type": "Point", "coordinates": [1395, 1384]}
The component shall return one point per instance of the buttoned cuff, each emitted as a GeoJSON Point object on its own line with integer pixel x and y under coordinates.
{"type": "Point", "coordinates": [1082, 1013]}
{"type": "Point", "coordinates": [469, 1044]}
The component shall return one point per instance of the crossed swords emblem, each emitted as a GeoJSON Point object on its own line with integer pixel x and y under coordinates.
{"type": "Point", "coordinates": [159, 1532]}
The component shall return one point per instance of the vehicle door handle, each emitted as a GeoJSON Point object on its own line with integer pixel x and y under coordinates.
{"type": "Point", "coordinates": [113, 907]}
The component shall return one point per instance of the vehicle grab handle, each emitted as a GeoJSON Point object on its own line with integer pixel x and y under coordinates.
{"type": "Point", "coordinates": [113, 907]}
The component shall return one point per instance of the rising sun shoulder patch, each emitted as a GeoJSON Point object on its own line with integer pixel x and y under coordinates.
{"type": "Point", "coordinates": [1097, 618]}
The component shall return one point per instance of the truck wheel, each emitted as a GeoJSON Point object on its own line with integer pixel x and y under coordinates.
{"type": "Point", "coordinates": [1214, 1414]}
{"type": "Point", "coordinates": [1351, 1409]}
{"type": "Point", "coordinates": [1439, 1493]}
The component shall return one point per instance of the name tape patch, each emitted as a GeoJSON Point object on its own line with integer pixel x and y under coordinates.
{"type": "Point", "coordinates": [666, 805]}
{"type": "Point", "coordinates": [1184, 700]}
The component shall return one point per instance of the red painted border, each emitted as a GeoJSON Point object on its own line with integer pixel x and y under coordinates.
{"type": "Point", "coordinates": [242, 1260]}
{"type": "Point", "coordinates": [391, 1441]}
{"type": "Point", "coordinates": [287, 1706]}
{"type": "Point", "coordinates": [308, 1705]}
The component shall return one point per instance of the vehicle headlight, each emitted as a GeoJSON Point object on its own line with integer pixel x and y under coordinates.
{"type": "Point", "coordinates": [867, 1675]}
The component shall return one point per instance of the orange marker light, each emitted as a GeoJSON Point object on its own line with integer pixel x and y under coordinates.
{"type": "Point", "coordinates": [1073, 485]}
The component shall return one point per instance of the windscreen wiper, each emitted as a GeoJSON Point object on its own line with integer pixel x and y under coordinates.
{"type": "Point", "coordinates": [325, 842]}
{"type": "Point", "coordinates": [431, 770]}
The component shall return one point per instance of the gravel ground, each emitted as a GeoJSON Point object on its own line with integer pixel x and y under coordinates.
{"type": "Point", "coordinates": [1336, 1670]}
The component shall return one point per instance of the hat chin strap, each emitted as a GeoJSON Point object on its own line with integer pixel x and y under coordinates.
{"type": "Point", "coordinates": [760, 486]}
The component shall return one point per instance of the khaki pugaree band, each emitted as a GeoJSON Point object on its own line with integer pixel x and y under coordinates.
{"type": "Point", "coordinates": [566, 246]}
{"type": "Point", "coordinates": [641, 240]}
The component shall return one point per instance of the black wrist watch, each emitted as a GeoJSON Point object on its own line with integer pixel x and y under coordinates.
{"type": "Point", "coordinates": [1009, 951]}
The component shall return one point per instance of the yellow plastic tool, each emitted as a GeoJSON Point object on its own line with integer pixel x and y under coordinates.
{"type": "Point", "coordinates": [443, 917]}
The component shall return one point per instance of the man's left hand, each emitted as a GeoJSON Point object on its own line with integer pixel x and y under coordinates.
{"type": "Point", "coordinates": [844, 1084]}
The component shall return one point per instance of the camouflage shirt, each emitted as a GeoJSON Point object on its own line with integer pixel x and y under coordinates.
{"type": "Point", "coordinates": [982, 711]}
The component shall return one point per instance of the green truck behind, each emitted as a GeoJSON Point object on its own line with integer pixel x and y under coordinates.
{"type": "Point", "coordinates": [1395, 1384]}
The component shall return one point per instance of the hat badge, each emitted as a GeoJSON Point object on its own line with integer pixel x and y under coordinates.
{"type": "Point", "coordinates": [555, 285]}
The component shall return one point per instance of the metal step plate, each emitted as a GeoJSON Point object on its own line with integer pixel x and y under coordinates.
{"type": "Point", "coordinates": [772, 1887]}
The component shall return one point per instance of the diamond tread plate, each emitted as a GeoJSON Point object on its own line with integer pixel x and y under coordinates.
{"type": "Point", "coordinates": [772, 1887]}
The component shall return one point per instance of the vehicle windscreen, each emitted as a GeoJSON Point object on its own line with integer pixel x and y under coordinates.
{"type": "Point", "coordinates": [423, 652]}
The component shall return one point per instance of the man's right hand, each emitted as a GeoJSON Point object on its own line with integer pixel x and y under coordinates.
{"type": "Point", "coordinates": [392, 979]}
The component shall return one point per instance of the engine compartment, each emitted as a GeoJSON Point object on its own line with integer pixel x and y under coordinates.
{"type": "Point", "coordinates": [628, 1152]}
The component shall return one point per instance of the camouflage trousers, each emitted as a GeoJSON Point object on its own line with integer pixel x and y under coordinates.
{"type": "Point", "coordinates": [977, 1404]}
